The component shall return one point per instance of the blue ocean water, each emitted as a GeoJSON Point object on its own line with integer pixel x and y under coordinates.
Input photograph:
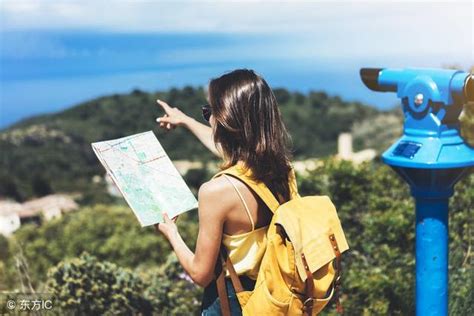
{"type": "Point", "coordinates": [47, 71]}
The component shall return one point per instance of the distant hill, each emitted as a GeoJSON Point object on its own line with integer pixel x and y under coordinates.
{"type": "Point", "coordinates": [51, 153]}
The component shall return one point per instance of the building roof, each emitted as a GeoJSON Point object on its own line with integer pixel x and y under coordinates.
{"type": "Point", "coordinates": [8, 207]}
{"type": "Point", "coordinates": [34, 207]}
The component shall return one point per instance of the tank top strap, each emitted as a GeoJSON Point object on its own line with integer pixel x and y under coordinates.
{"type": "Point", "coordinates": [259, 188]}
{"type": "Point", "coordinates": [242, 199]}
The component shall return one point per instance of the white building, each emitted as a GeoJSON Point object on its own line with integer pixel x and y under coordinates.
{"type": "Point", "coordinates": [345, 152]}
{"type": "Point", "coordinates": [13, 214]}
{"type": "Point", "coordinates": [9, 217]}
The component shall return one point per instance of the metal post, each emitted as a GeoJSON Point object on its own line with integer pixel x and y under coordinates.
{"type": "Point", "coordinates": [431, 256]}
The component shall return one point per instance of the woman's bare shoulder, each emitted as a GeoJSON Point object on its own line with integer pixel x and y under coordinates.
{"type": "Point", "coordinates": [217, 192]}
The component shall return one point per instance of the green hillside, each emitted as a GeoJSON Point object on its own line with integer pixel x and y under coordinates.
{"type": "Point", "coordinates": [52, 153]}
{"type": "Point", "coordinates": [100, 255]}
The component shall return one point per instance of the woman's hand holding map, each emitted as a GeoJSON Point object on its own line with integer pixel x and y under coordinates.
{"type": "Point", "coordinates": [168, 228]}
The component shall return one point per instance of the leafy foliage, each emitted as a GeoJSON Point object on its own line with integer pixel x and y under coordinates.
{"type": "Point", "coordinates": [378, 132]}
{"type": "Point", "coordinates": [107, 232]}
{"type": "Point", "coordinates": [375, 207]}
{"type": "Point", "coordinates": [87, 286]}
{"type": "Point", "coordinates": [57, 146]}
{"type": "Point", "coordinates": [171, 291]}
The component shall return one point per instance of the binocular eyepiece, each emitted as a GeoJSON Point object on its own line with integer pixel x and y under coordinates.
{"type": "Point", "coordinates": [370, 77]}
{"type": "Point", "coordinates": [377, 79]}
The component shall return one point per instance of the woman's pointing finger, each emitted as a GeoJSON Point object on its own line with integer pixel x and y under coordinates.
{"type": "Point", "coordinates": [164, 106]}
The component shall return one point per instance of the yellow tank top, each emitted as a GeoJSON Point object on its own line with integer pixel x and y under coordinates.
{"type": "Point", "coordinates": [246, 250]}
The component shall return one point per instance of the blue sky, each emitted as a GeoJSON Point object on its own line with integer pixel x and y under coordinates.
{"type": "Point", "coordinates": [55, 54]}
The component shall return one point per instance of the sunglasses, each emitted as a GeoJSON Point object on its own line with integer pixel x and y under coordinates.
{"type": "Point", "coordinates": [206, 112]}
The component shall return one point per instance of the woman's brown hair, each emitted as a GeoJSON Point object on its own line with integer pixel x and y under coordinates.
{"type": "Point", "coordinates": [248, 128]}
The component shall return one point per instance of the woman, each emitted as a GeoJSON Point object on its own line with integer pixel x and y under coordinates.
{"type": "Point", "coordinates": [246, 131]}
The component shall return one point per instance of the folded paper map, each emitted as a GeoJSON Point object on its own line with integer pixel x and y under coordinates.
{"type": "Point", "coordinates": [145, 176]}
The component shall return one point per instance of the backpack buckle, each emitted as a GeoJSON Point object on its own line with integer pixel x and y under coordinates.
{"type": "Point", "coordinates": [308, 305]}
{"type": "Point", "coordinates": [309, 300]}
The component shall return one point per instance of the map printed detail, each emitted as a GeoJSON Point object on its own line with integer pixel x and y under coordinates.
{"type": "Point", "coordinates": [145, 176]}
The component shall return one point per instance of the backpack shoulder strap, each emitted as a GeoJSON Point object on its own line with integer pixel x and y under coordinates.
{"type": "Point", "coordinates": [259, 188]}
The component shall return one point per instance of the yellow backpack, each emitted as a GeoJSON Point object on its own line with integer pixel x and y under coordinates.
{"type": "Point", "coordinates": [300, 270]}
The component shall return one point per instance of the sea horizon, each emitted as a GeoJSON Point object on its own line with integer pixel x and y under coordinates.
{"type": "Point", "coordinates": [96, 86]}
{"type": "Point", "coordinates": [45, 71]}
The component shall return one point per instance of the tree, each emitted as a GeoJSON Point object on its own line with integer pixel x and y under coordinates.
{"type": "Point", "coordinates": [41, 186]}
{"type": "Point", "coordinates": [87, 286]}
{"type": "Point", "coordinates": [108, 232]}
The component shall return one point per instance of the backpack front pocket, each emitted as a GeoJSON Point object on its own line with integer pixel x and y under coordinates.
{"type": "Point", "coordinates": [261, 302]}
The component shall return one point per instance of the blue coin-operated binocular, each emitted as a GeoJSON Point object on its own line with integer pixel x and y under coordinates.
{"type": "Point", "coordinates": [431, 156]}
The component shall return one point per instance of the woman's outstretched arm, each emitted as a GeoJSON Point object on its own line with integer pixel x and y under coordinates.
{"type": "Point", "coordinates": [174, 117]}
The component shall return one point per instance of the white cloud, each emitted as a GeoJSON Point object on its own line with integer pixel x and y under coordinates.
{"type": "Point", "coordinates": [221, 16]}
{"type": "Point", "coordinates": [343, 29]}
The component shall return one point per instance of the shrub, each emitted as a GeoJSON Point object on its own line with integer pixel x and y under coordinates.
{"type": "Point", "coordinates": [171, 291]}
{"type": "Point", "coordinates": [87, 286]}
